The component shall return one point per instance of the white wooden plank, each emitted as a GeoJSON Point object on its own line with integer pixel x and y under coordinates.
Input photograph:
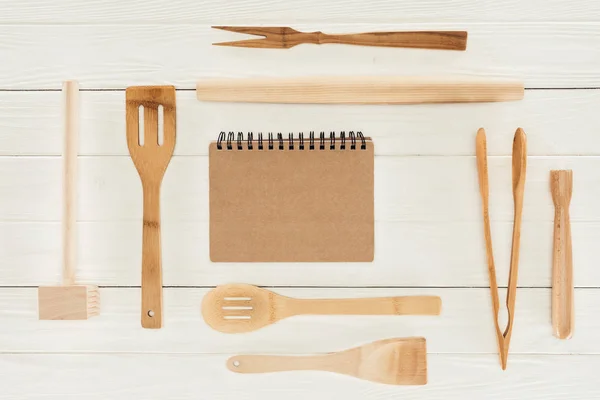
{"type": "Point", "coordinates": [277, 12]}
{"type": "Point", "coordinates": [406, 189]}
{"type": "Point", "coordinates": [406, 254]}
{"type": "Point", "coordinates": [187, 377]}
{"type": "Point", "coordinates": [465, 325]}
{"type": "Point", "coordinates": [560, 122]}
{"type": "Point", "coordinates": [115, 56]}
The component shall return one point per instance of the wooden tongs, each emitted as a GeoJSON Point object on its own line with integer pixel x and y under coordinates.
{"type": "Point", "coordinates": [283, 37]}
{"type": "Point", "coordinates": [519, 165]}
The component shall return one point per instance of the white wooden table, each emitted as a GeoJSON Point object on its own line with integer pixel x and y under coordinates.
{"type": "Point", "coordinates": [429, 235]}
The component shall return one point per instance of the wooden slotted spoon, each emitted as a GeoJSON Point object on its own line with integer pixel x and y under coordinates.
{"type": "Point", "coordinates": [399, 361]}
{"type": "Point", "coordinates": [151, 160]}
{"type": "Point", "coordinates": [238, 308]}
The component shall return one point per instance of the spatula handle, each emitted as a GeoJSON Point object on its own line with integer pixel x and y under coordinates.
{"type": "Point", "coordinates": [401, 305]}
{"type": "Point", "coordinates": [255, 364]}
{"type": "Point", "coordinates": [562, 261]}
{"type": "Point", "coordinates": [441, 40]}
{"type": "Point", "coordinates": [151, 260]}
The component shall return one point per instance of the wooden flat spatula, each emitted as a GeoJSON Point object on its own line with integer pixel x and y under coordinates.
{"type": "Point", "coordinates": [401, 361]}
{"type": "Point", "coordinates": [283, 37]}
{"type": "Point", "coordinates": [563, 319]}
{"type": "Point", "coordinates": [70, 301]}
{"type": "Point", "coordinates": [151, 159]}
{"type": "Point", "coordinates": [238, 308]}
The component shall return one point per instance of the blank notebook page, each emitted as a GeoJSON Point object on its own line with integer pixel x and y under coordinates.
{"type": "Point", "coordinates": [291, 205]}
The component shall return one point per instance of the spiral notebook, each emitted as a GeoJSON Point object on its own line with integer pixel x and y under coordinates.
{"type": "Point", "coordinates": [291, 199]}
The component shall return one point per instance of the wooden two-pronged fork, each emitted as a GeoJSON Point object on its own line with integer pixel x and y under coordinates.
{"type": "Point", "coordinates": [284, 37]}
{"type": "Point", "coordinates": [151, 159]}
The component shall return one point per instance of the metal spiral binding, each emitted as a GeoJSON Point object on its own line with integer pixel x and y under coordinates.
{"type": "Point", "coordinates": [230, 137]}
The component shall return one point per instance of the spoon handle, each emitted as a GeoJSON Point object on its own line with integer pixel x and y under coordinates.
{"type": "Point", "coordinates": [401, 305]}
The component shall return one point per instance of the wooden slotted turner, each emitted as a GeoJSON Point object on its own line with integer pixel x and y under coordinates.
{"type": "Point", "coordinates": [519, 166]}
{"type": "Point", "coordinates": [238, 308]}
{"type": "Point", "coordinates": [151, 160]}
{"type": "Point", "coordinates": [400, 361]}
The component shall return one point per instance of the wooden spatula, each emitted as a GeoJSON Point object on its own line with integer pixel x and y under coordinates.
{"type": "Point", "coordinates": [151, 160]}
{"type": "Point", "coordinates": [563, 319]}
{"type": "Point", "coordinates": [400, 361]}
{"type": "Point", "coordinates": [239, 308]}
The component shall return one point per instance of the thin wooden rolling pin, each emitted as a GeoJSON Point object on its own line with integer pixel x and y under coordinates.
{"type": "Point", "coordinates": [359, 90]}
{"type": "Point", "coordinates": [563, 320]}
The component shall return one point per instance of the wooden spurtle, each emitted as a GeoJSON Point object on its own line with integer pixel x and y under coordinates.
{"type": "Point", "coordinates": [151, 160]}
{"type": "Point", "coordinates": [282, 37]}
{"type": "Point", "coordinates": [519, 167]}
{"type": "Point", "coordinates": [238, 308]}
{"type": "Point", "coordinates": [400, 361]}
{"type": "Point", "coordinates": [563, 318]}
{"type": "Point", "coordinates": [359, 90]}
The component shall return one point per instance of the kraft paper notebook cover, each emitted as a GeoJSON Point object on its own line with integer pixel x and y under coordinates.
{"type": "Point", "coordinates": [292, 199]}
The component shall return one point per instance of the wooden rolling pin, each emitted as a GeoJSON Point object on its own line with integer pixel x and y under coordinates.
{"type": "Point", "coordinates": [359, 90]}
{"type": "Point", "coordinates": [563, 320]}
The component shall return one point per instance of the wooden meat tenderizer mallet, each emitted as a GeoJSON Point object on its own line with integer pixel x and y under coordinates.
{"type": "Point", "coordinates": [563, 318]}
{"type": "Point", "coordinates": [69, 301]}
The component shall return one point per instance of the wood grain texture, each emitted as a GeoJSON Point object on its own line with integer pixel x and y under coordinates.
{"type": "Point", "coordinates": [69, 302]}
{"type": "Point", "coordinates": [272, 11]}
{"type": "Point", "coordinates": [452, 377]}
{"type": "Point", "coordinates": [359, 90]}
{"type": "Point", "coordinates": [397, 361]}
{"type": "Point", "coordinates": [433, 255]}
{"type": "Point", "coordinates": [109, 189]}
{"type": "Point", "coordinates": [157, 60]}
{"type": "Point", "coordinates": [286, 37]}
{"type": "Point", "coordinates": [455, 330]}
{"type": "Point", "coordinates": [241, 308]}
{"type": "Point", "coordinates": [563, 322]}
{"type": "Point", "coordinates": [416, 130]}
{"type": "Point", "coordinates": [151, 159]}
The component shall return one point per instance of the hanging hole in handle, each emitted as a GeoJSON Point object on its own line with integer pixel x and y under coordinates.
{"type": "Point", "coordinates": [150, 313]}
{"type": "Point", "coordinates": [236, 363]}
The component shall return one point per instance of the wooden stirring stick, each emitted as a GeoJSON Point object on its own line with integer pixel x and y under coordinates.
{"type": "Point", "coordinates": [563, 321]}
{"type": "Point", "coordinates": [519, 166]}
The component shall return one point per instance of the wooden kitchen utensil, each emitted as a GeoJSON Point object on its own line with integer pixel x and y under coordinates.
{"type": "Point", "coordinates": [238, 308]}
{"type": "Point", "coordinates": [151, 160]}
{"type": "Point", "coordinates": [70, 301]}
{"type": "Point", "coordinates": [519, 166]}
{"type": "Point", "coordinates": [359, 90]}
{"type": "Point", "coordinates": [563, 318]}
{"type": "Point", "coordinates": [400, 361]}
{"type": "Point", "coordinates": [284, 37]}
